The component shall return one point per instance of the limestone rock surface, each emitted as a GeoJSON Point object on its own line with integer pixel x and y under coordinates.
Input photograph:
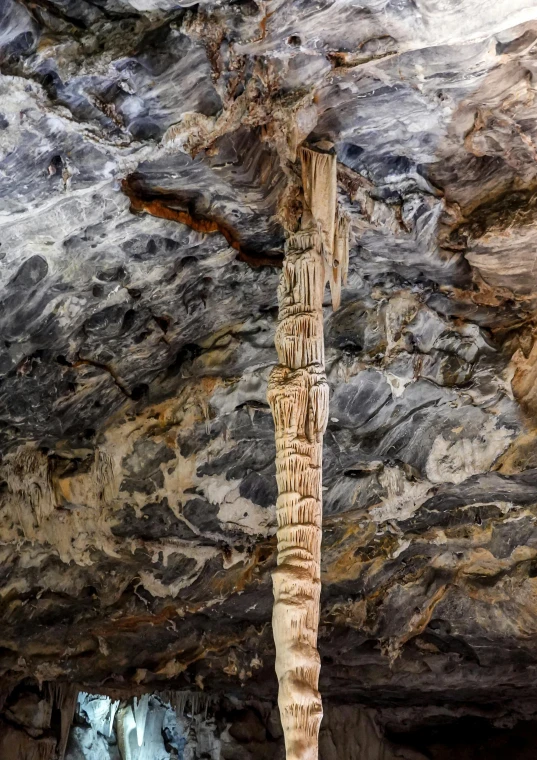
{"type": "Point", "coordinates": [148, 168]}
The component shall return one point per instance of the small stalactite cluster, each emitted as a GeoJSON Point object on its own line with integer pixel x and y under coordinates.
{"type": "Point", "coordinates": [298, 395]}
{"type": "Point", "coordinates": [27, 473]}
{"type": "Point", "coordinates": [197, 702]}
{"type": "Point", "coordinates": [131, 716]}
{"type": "Point", "coordinates": [36, 490]}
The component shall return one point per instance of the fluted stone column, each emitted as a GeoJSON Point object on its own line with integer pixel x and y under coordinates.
{"type": "Point", "coordinates": [298, 396]}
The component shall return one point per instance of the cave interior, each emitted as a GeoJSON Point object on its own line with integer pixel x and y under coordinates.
{"type": "Point", "coordinates": [150, 175]}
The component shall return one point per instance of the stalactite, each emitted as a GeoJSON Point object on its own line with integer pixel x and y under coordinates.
{"type": "Point", "coordinates": [45, 751]}
{"type": "Point", "coordinates": [319, 181]}
{"type": "Point", "coordinates": [179, 700]}
{"type": "Point", "coordinates": [113, 710]}
{"type": "Point", "coordinates": [104, 477]}
{"type": "Point", "coordinates": [126, 725]}
{"type": "Point", "coordinates": [64, 697]}
{"type": "Point", "coordinates": [298, 396]}
{"type": "Point", "coordinates": [340, 262]}
{"type": "Point", "coordinates": [141, 707]}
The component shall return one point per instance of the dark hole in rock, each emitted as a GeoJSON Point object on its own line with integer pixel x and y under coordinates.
{"type": "Point", "coordinates": [187, 262]}
{"type": "Point", "coordinates": [128, 320]}
{"type": "Point", "coordinates": [56, 164]}
{"type": "Point", "coordinates": [187, 353]}
{"type": "Point", "coordinates": [145, 129]}
{"type": "Point", "coordinates": [139, 391]}
{"type": "Point", "coordinates": [113, 275]}
{"type": "Point", "coordinates": [163, 323]}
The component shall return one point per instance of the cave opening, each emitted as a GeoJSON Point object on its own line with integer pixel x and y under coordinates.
{"type": "Point", "coordinates": [192, 726]}
{"type": "Point", "coordinates": [37, 721]}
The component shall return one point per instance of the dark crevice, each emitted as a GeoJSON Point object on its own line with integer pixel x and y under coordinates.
{"type": "Point", "coordinates": [106, 368]}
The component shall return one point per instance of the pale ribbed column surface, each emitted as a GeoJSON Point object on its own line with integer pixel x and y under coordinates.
{"type": "Point", "coordinates": [298, 396]}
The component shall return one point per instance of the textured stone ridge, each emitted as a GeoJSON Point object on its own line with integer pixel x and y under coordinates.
{"type": "Point", "coordinates": [298, 397]}
{"type": "Point", "coordinates": [148, 172]}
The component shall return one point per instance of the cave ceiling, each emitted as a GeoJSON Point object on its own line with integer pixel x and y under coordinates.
{"type": "Point", "coordinates": [147, 170]}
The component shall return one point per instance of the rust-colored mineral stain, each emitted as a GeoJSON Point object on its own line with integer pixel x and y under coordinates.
{"type": "Point", "coordinates": [263, 24]}
{"type": "Point", "coordinates": [161, 210]}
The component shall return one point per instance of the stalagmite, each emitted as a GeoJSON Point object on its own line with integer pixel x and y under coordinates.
{"type": "Point", "coordinates": [298, 396]}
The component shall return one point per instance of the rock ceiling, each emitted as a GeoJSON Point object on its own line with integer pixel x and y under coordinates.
{"type": "Point", "coordinates": [147, 164]}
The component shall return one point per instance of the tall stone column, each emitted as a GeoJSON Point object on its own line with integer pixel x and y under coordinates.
{"type": "Point", "coordinates": [298, 396]}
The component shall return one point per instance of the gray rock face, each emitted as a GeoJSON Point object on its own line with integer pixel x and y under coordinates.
{"type": "Point", "coordinates": [147, 165]}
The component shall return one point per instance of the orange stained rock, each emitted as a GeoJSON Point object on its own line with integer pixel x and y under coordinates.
{"type": "Point", "coordinates": [161, 210]}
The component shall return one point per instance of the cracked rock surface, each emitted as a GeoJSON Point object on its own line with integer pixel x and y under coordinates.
{"type": "Point", "coordinates": [147, 166]}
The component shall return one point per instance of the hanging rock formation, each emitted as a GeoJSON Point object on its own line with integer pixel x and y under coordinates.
{"type": "Point", "coordinates": [298, 396]}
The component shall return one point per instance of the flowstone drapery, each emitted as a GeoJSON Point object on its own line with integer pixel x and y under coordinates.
{"type": "Point", "coordinates": [298, 396]}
